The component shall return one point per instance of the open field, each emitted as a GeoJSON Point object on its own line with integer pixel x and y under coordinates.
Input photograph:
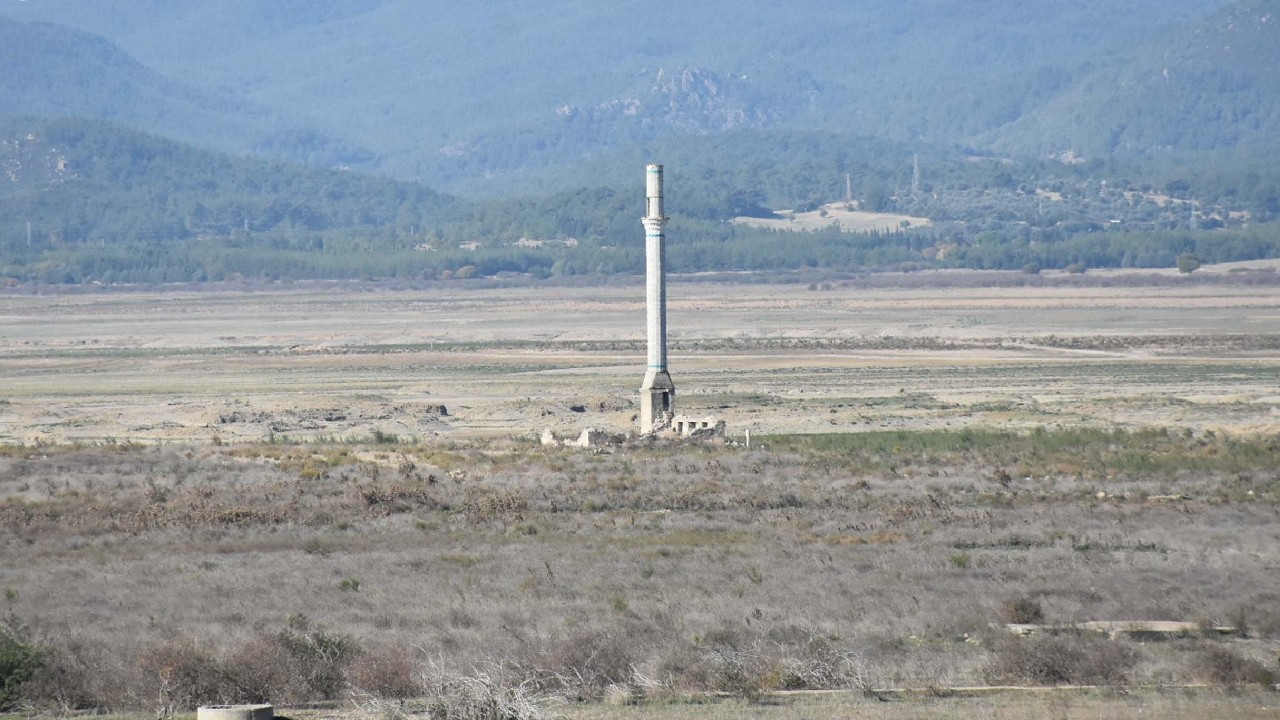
{"type": "Point", "coordinates": [257, 496]}
{"type": "Point", "coordinates": [837, 214]}
{"type": "Point", "coordinates": [319, 363]}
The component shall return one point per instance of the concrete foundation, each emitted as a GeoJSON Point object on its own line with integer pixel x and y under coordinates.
{"type": "Point", "coordinates": [595, 437]}
{"type": "Point", "coordinates": [657, 401]}
{"type": "Point", "coordinates": [705, 427]}
{"type": "Point", "coordinates": [235, 712]}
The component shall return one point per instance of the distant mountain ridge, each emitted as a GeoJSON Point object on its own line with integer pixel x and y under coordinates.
{"type": "Point", "coordinates": [54, 70]}
{"type": "Point", "coordinates": [453, 94]}
{"type": "Point", "coordinates": [253, 136]}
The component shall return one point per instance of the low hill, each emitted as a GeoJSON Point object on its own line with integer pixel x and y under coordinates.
{"type": "Point", "coordinates": [87, 201]}
{"type": "Point", "coordinates": [67, 185]}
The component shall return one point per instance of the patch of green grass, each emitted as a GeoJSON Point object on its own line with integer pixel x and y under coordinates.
{"type": "Point", "coordinates": [728, 400]}
{"type": "Point", "coordinates": [916, 400]}
{"type": "Point", "coordinates": [1013, 542]}
{"type": "Point", "coordinates": [997, 406]}
{"type": "Point", "coordinates": [380, 437]}
{"type": "Point", "coordinates": [1086, 452]}
{"type": "Point", "coordinates": [1085, 545]}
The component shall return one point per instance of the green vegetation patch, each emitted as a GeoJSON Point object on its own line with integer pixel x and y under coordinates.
{"type": "Point", "coordinates": [19, 662]}
{"type": "Point", "coordinates": [1086, 452]}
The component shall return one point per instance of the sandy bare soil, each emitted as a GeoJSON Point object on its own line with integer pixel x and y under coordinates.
{"type": "Point", "coordinates": [314, 363]}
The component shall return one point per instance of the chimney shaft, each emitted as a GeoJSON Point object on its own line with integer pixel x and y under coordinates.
{"type": "Point", "coordinates": [657, 393]}
{"type": "Point", "coordinates": [655, 269]}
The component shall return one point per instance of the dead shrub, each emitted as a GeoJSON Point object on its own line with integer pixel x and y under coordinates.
{"type": "Point", "coordinates": [318, 657]}
{"type": "Point", "coordinates": [585, 663]}
{"type": "Point", "coordinates": [461, 619]}
{"type": "Point", "coordinates": [387, 498]}
{"type": "Point", "coordinates": [1217, 665]}
{"type": "Point", "coordinates": [76, 676]}
{"type": "Point", "coordinates": [487, 694]}
{"type": "Point", "coordinates": [1023, 611]}
{"type": "Point", "coordinates": [488, 505]}
{"type": "Point", "coordinates": [682, 669]}
{"type": "Point", "coordinates": [178, 675]}
{"type": "Point", "coordinates": [386, 674]}
{"type": "Point", "coordinates": [818, 665]}
{"type": "Point", "coordinates": [261, 671]}
{"type": "Point", "coordinates": [1059, 660]}
{"type": "Point", "coordinates": [732, 659]}
{"type": "Point", "coordinates": [748, 675]}
{"type": "Point", "coordinates": [301, 662]}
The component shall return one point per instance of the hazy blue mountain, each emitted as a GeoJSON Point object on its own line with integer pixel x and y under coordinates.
{"type": "Point", "coordinates": [1213, 85]}
{"type": "Point", "coordinates": [542, 115]}
{"type": "Point", "coordinates": [457, 93]}
{"type": "Point", "coordinates": [55, 70]}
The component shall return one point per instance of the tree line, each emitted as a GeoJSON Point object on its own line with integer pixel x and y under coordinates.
{"type": "Point", "coordinates": [86, 201]}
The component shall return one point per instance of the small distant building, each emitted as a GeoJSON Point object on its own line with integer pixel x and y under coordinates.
{"type": "Point", "coordinates": [688, 427]}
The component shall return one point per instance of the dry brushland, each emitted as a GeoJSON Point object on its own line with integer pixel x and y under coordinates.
{"type": "Point", "coordinates": [337, 494]}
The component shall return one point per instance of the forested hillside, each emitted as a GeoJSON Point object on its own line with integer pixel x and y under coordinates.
{"type": "Point", "coordinates": [298, 139]}
{"type": "Point", "coordinates": [85, 201]}
{"type": "Point", "coordinates": [1213, 85]}
{"type": "Point", "coordinates": [121, 202]}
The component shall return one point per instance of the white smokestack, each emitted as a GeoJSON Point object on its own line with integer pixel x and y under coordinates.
{"type": "Point", "coordinates": [657, 393]}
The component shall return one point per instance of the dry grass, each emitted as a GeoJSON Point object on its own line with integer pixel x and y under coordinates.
{"type": "Point", "coordinates": [816, 562]}
{"type": "Point", "coordinates": [1001, 706]}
